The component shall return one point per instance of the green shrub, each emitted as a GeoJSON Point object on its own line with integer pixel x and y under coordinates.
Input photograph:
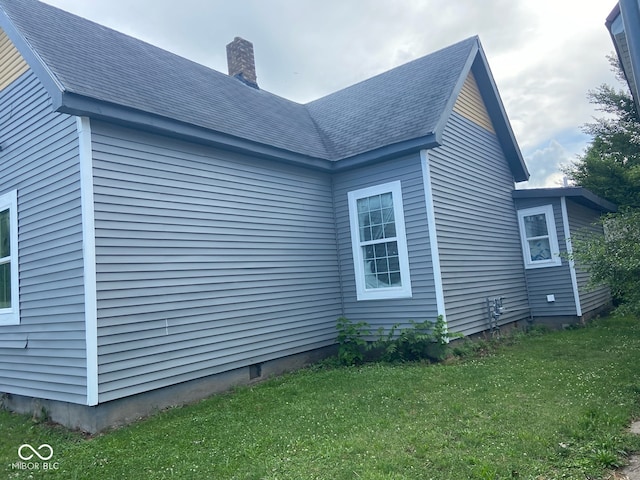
{"type": "Point", "coordinates": [614, 258]}
{"type": "Point", "coordinates": [351, 344]}
{"type": "Point", "coordinates": [421, 341]}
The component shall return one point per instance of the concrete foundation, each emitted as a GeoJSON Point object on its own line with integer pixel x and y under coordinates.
{"type": "Point", "coordinates": [565, 321]}
{"type": "Point", "coordinates": [127, 410]}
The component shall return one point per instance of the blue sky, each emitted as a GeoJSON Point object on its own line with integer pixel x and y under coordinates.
{"type": "Point", "coordinates": [545, 55]}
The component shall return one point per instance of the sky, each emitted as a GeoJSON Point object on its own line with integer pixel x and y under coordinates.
{"type": "Point", "coordinates": [545, 55]}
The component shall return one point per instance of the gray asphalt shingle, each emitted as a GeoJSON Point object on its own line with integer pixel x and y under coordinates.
{"type": "Point", "coordinates": [102, 64]}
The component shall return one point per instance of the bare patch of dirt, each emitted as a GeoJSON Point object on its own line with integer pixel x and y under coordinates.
{"type": "Point", "coordinates": [631, 471]}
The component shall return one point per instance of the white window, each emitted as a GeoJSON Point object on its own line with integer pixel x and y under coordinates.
{"type": "Point", "coordinates": [539, 238]}
{"type": "Point", "coordinates": [379, 242]}
{"type": "Point", "coordinates": [9, 306]}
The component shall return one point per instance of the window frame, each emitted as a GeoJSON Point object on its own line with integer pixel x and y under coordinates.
{"type": "Point", "coordinates": [552, 234]}
{"type": "Point", "coordinates": [11, 315]}
{"type": "Point", "coordinates": [362, 292]}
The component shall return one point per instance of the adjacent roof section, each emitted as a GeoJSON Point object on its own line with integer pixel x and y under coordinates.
{"type": "Point", "coordinates": [623, 24]}
{"type": "Point", "coordinates": [579, 194]}
{"type": "Point", "coordinates": [92, 70]}
{"type": "Point", "coordinates": [401, 104]}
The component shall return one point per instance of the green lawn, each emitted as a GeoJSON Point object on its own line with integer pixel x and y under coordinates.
{"type": "Point", "coordinates": [545, 406]}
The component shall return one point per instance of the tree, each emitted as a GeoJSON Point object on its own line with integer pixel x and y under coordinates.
{"type": "Point", "coordinates": [614, 258]}
{"type": "Point", "coordinates": [610, 166]}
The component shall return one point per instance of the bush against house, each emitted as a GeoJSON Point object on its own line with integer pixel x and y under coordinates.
{"type": "Point", "coordinates": [615, 257]}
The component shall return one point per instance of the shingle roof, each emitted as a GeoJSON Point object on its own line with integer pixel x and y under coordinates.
{"type": "Point", "coordinates": [97, 62]}
{"type": "Point", "coordinates": [404, 103]}
{"type": "Point", "coordinates": [102, 66]}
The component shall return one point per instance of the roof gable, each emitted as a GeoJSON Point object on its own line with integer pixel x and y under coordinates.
{"type": "Point", "coordinates": [92, 70]}
{"type": "Point", "coordinates": [471, 105]}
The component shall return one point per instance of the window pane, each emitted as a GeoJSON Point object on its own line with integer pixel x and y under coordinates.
{"type": "Point", "coordinates": [363, 205]}
{"type": "Point", "coordinates": [387, 215]}
{"type": "Point", "coordinates": [376, 217]}
{"type": "Point", "coordinates": [535, 225]}
{"type": "Point", "coordinates": [381, 265]}
{"type": "Point", "coordinates": [374, 203]}
{"type": "Point", "coordinates": [386, 200]}
{"type": "Point", "coordinates": [540, 249]}
{"type": "Point", "coordinates": [389, 230]}
{"type": "Point", "coordinates": [5, 285]}
{"type": "Point", "coordinates": [5, 246]}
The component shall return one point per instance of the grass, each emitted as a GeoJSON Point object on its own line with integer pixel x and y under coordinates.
{"type": "Point", "coordinates": [545, 406]}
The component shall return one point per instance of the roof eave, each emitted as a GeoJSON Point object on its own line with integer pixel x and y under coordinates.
{"type": "Point", "coordinates": [498, 115]}
{"type": "Point", "coordinates": [629, 14]}
{"type": "Point", "coordinates": [386, 152]}
{"type": "Point", "coordinates": [78, 105]}
{"type": "Point", "coordinates": [579, 194]}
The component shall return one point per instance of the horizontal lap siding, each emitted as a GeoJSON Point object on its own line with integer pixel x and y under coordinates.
{"type": "Point", "coordinates": [555, 280]}
{"type": "Point", "coordinates": [385, 313]}
{"type": "Point", "coordinates": [583, 219]}
{"type": "Point", "coordinates": [206, 261]}
{"type": "Point", "coordinates": [40, 160]}
{"type": "Point", "coordinates": [478, 239]}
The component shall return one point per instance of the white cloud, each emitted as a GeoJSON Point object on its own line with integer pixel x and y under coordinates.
{"type": "Point", "coordinates": [544, 164]}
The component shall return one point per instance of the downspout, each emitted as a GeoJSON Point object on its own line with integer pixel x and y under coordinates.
{"type": "Point", "coordinates": [335, 231]}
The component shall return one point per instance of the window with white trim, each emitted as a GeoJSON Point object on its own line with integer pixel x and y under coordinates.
{"type": "Point", "coordinates": [9, 306]}
{"type": "Point", "coordinates": [539, 238]}
{"type": "Point", "coordinates": [379, 242]}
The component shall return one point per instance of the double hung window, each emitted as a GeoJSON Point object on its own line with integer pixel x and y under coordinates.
{"type": "Point", "coordinates": [539, 239]}
{"type": "Point", "coordinates": [8, 259]}
{"type": "Point", "coordinates": [379, 242]}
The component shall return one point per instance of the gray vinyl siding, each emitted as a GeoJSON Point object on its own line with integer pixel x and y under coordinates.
{"type": "Point", "coordinates": [582, 218]}
{"type": "Point", "coordinates": [206, 260]}
{"type": "Point", "coordinates": [477, 228]}
{"type": "Point", "coordinates": [43, 356]}
{"type": "Point", "coordinates": [555, 280]}
{"type": "Point", "coordinates": [385, 313]}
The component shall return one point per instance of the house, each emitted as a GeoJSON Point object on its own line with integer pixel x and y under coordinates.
{"type": "Point", "coordinates": [168, 230]}
{"type": "Point", "coordinates": [623, 24]}
{"type": "Point", "coordinates": [549, 218]}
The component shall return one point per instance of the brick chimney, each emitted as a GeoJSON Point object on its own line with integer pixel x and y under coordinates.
{"type": "Point", "coordinates": [241, 62]}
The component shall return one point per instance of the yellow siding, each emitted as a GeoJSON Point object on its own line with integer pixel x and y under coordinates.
{"type": "Point", "coordinates": [12, 65]}
{"type": "Point", "coordinates": [471, 106]}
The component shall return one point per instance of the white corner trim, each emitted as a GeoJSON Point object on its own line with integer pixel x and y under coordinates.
{"type": "Point", "coordinates": [89, 255]}
{"type": "Point", "coordinates": [572, 267]}
{"type": "Point", "coordinates": [433, 237]}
